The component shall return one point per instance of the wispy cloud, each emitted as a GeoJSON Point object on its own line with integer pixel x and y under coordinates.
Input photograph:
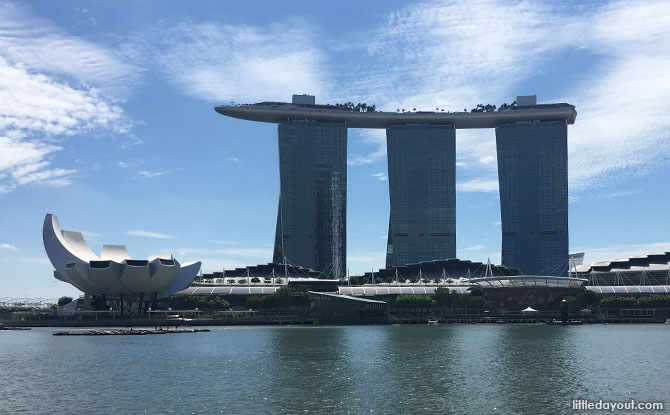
{"type": "Point", "coordinates": [38, 44]}
{"type": "Point", "coordinates": [50, 89]}
{"type": "Point", "coordinates": [474, 248]}
{"type": "Point", "coordinates": [459, 59]}
{"type": "Point", "coordinates": [264, 254]}
{"type": "Point", "coordinates": [148, 175]}
{"type": "Point", "coordinates": [622, 125]}
{"type": "Point", "coordinates": [487, 185]}
{"type": "Point", "coordinates": [122, 164]}
{"type": "Point", "coordinates": [374, 138]}
{"type": "Point", "coordinates": [91, 235]}
{"type": "Point", "coordinates": [487, 160]}
{"type": "Point", "coordinates": [241, 63]}
{"type": "Point", "coordinates": [381, 176]}
{"type": "Point", "coordinates": [621, 193]}
{"type": "Point", "coordinates": [147, 234]}
{"type": "Point", "coordinates": [371, 259]}
{"type": "Point", "coordinates": [8, 247]}
{"type": "Point", "coordinates": [225, 242]}
{"type": "Point", "coordinates": [232, 159]}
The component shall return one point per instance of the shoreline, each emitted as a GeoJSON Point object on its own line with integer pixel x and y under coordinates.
{"type": "Point", "coordinates": [309, 320]}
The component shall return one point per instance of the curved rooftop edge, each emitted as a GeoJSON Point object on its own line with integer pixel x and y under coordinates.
{"type": "Point", "coordinates": [624, 290]}
{"type": "Point", "coordinates": [280, 112]}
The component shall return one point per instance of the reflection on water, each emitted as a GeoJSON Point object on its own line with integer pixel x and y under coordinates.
{"type": "Point", "coordinates": [381, 369]}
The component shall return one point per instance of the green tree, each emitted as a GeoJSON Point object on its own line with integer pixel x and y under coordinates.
{"type": "Point", "coordinates": [445, 297]}
{"type": "Point", "coordinates": [231, 281]}
{"type": "Point", "coordinates": [255, 280]}
{"type": "Point", "coordinates": [254, 302]}
{"type": "Point", "coordinates": [242, 281]}
{"type": "Point", "coordinates": [586, 298]}
{"type": "Point", "coordinates": [279, 280]}
{"type": "Point", "coordinates": [413, 300]}
{"type": "Point", "coordinates": [64, 300]}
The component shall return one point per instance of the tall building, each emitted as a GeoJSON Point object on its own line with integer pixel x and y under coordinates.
{"type": "Point", "coordinates": [422, 189]}
{"type": "Point", "coordinates": [533, 175]}
{"type": "Point", "coordinates": [311, 221]}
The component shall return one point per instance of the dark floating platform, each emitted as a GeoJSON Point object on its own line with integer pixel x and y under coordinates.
{"type": "Point", "coordinates": [15, 328]}
{"type": "Point", "coordinates": [130, 332]}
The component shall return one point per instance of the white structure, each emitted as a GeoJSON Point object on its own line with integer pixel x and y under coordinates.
{"type": "Point", "coordinates": [113, 274]}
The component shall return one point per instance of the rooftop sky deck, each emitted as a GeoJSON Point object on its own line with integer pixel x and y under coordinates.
{"type": "Point", "coordinates": [278, 112]}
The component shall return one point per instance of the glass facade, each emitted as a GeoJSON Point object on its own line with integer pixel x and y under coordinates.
{"type": "Point", "coordinates": [422, 190]}
{"type": "Point", "coordinates": [311, 222]}
{"type": "Point", "coordinates": [533, 176]}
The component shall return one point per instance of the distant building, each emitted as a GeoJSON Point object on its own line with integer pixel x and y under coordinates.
{"type": "Point", "coordinates": [533, 177]}
{"type": "Point", "coordinates": [311, 222]}
{"type": "Point", "coordinates": [636, 271]}
{"type": "Point", "coordinates": [422, 190]}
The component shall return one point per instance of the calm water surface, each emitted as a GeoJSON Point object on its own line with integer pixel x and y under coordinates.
{"type": "Point", "coordinates": [479, 369]}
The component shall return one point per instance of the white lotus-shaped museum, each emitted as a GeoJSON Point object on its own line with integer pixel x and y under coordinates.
{"type": "Point", "coordinates": [113, 274]}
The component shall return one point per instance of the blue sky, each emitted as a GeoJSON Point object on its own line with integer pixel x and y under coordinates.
{"type": "Point", "coordinates": [107, 120]}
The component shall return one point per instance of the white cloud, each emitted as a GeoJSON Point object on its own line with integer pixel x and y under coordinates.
{"type": "Point", "coordinates": [375, 138]}
{"type": "Point", "coordinates": [242, 63]}
{"type": "Point", "coordinates": [8, 246]}
{"type": "Point", "coordinates": [622, 125]}
{"type": "Point", "coordinates": [147, 234]}
{"type": "Point", "coordinates": [622, 193]}
{"type": "Point", "coordinates": [37, 44]}
{"type": "Point", "coordinates": [621, 98]}
{"type": "Point", "coordinates": [47, 94]}
{"type": "Point", "coordinates": [371, 259]}
{"type": "Point", "coordinates": [91, 235]}
{"type": "Point", "coordinates": [487, 160]}
{"type": "Point", "coordinates": [497, 223]}
{"type": "Point", "coordinates": [470, 51]}
{"type": "Point", "coordinates": [380, 176]}
{"type": "Point", "coordinates": [147, 175]}
{"type": "Point", "coordinates": [122, 164]}
{"type": "Point", "coordinates": [32, 104]}
{"type": "Point", "coordinates": [474, 248]}
{"type": "Point", "coordinates": [232, 159]}
{"type": "Point", "coordinates": [487, 185]}
{"type": "Point", "coordinates": [226, 242]}
{"type": "Point", "coordinates": [261, 254]}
